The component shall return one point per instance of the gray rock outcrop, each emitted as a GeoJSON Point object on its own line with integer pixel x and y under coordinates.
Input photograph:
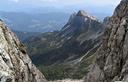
{"type": "Point", "coordinates": [112, 57]}
{"type": "Point", "coordinates": [15, 65]}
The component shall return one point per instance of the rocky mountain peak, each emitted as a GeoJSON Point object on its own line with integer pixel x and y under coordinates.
{"type": "Point", "coordinates": [80, 22]}
{"type": "Point", "coordinates": [82, 13]}
{"type": "Point", "coordinates": [85, 14]}
{"type": "Point", "coordinates": [112, 57]}
{"type": "Point", "coordinates": [15, 65]}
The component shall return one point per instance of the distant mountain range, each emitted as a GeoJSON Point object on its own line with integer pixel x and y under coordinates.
{"type": "Point", "coordinates": [25, 35]}
{"type": "Point", "coordinates": [38, 22]}
{"type": "Point", "coordinates": [41, 22]}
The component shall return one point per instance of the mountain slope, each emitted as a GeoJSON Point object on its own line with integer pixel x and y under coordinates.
{"type": "Point", "coordinates": [59, 51]}
{"type": "Point", "coordinates": [15, 65]}
{"type": "Point", "coordinates": [73, 44]}
{"type": "Point", "coordinates": [112, 57]}
{"type": "Point", "coordinates": [25, 35]}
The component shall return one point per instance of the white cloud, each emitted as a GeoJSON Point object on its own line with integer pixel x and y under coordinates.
{"type": "Point", "coordinates": [15, 0]}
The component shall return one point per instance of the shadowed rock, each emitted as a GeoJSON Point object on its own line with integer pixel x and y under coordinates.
{"type": "Point", "coordinates": [112, 57]}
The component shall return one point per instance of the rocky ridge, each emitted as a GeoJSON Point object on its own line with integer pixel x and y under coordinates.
{"type": "Point", "coordinates": [15, 65]}
{"type": "Point", "coordinates": [112, 57]}
{"type": "Point", "coordinates": [80, 22]}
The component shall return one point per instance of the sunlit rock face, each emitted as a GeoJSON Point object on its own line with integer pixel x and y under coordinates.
{"type": "Point", "coordinates": [112, 57]}
{"type": "Point", "coordinates": [15, 65]}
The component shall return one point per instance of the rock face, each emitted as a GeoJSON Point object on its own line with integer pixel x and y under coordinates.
{"type": "Point", "coordinates": [15, 65]}
{"type": "Point", "coordinates": [112, 57]}
{"type": "Point", "coordinates": [106, 21]}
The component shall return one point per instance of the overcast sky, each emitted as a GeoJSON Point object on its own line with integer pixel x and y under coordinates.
{"type": "Point", "coordinates": [17, 4]}
{"type": "Point", "coordinates": [67, 2]}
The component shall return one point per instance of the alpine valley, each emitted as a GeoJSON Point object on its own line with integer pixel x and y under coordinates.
{"type": "Point", "coordinates": [67, 53]}
{"type": "Point", "coordinates": [85, 49]}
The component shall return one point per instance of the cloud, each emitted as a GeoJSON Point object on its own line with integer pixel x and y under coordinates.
{"type": "Point", "coordinates": [15, 1]}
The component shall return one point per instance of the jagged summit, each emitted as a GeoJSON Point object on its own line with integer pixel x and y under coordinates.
{"type": "Point", "coordinates": [80, 22]}
{"type": "Point", "coordinates": [82, 13]}
{"type": "Point", "coordinates": [85, 14]}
